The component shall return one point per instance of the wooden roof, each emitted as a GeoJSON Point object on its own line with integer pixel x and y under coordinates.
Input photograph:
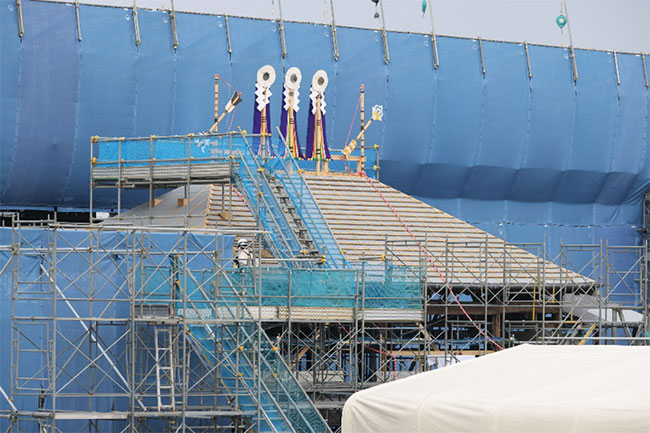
{"type": "Point", "coordinates": [361, 221]}
{"type": "Point", "coordinates": [228, 210]}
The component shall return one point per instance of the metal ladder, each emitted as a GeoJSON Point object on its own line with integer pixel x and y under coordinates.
{"type": "Point", "coordinates": [282, 240]}
{"type": "Point", "coordinates": [307, 245]}
{"type": "Point", "coordinates": [164, 368]}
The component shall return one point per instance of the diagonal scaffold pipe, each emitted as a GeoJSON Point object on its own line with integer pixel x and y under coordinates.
{"type": "Point", "coordinates": [94, 339]}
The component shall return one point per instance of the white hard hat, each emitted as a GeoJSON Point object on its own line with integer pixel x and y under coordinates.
{"type": "Point", "coordinates": [242, 242]}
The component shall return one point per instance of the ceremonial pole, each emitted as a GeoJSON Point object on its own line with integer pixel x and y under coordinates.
{"type": "Point", "coordinates": [317, 126]}
{"type": "Point", "coordinates": [290, 102]}
{"type": "Point", "coordinates": [362, 120]}
{"type": "Point", "coordinates": [263, 134]}
{"type": "Point", "coordinates": [291, 123]}
{"type": "Point", "coordinates": [261, 118]}
{"type": "Point", "coordinates": [216, 102]}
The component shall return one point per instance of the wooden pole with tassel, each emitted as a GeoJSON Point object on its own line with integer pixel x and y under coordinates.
{"type": "Point", "coordinates": [232, 103]}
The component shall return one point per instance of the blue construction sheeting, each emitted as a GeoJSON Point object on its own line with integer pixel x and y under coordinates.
{"type": "Point", "coordinates": [524, 158]}
{"type": "Point", "coordinates": [35, 302]}
{"type": "Point", "coordinates": [398, 287]}
{"type": "Point", "coordinates": [72, 282]}
{"type": "Point", "coordinates": [5, 321]}
{"type": "Point", "coordinates": [166, 151]}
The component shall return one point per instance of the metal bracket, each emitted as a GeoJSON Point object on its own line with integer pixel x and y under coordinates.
{"type": "Point", "coordinates": [480, 49]}
{"type": "Point", "coordinates": [19, 12]}
{"type": "Point", "coordinates": [228, 35]}
{"type": "Point", "coordinates": [76, 12]}
{"type": "Point", "coordinates": [530, 70]}
{"type": "Point", "coordinates": [335, 41]}
{"type": "Point", "coordinates": [618, 76]}
{"type": "Point", "coordinates": [383, 33]}
{"type": "Point", "coordinates": [136, 24]}
{"type": "Point", "coordinates": [574, 65]}
{"type": "Point", "coordinates": [172, 19]}
{"type": "Point", "coordinates": [283, 41]}
{"type": "Point", "coordinates": [434, 42]}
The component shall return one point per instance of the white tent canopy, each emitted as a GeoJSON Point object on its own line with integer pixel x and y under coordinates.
{"type": "Point", "coordinates": [532, 389]}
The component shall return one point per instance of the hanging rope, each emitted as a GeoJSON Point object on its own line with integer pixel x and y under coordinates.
{"type": "Point", "coordinates": [431, 261]}
{"type": "Point", "coordinates": [346, 164]}
{"type": "Point", "coordinates": [238, 193]}
{"type": "Point", "coordinates": [390, 355]}
{"type": "Point", "coordinates": [232, 118]}
{"type": "Point", "coordinates": [227, 83]}
{"type": "Point", "coordinates": [356, 110]}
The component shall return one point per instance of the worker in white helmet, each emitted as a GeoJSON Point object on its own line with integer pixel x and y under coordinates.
{"type": "Point", "coordinates": [242, 255]}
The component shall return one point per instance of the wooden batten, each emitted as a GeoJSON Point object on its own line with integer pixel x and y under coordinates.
{"type": "Point", "coordinates": [224, 215]}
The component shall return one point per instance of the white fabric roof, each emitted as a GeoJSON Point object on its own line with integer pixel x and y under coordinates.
{"type": "Point", "coordinates": [532, 389]}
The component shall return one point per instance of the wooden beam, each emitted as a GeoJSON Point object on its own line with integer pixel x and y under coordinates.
{"type": "Point", "coordinates": [479, 310]}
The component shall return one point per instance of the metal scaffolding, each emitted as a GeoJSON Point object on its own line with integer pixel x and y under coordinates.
{"type": "Point", "coordinates": [124, 327]}
{"type": "Point", "coordinates": [145, 329]}
{"type": "Point", "coordinates": [528, 304]}
{"type": "Point", "coordinates": [225, 160]}
{"type": "Point", "coordinates": [154, 163]}
{"type": "Point", "coordinates": [130, 329]}
{"type": "Point", "coordinates": [599, 297]}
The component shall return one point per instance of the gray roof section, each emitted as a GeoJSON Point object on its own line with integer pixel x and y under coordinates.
{"type": "Point", "coordinates": [169, 212]}
{"type": "Point", "coordinates": [211, 206]}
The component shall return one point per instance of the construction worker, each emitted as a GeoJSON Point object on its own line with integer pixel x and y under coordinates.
{"type": "Point", "coordinates": [242, 255]}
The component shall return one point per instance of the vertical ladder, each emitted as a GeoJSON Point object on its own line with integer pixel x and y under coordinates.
{"type": "Point", "coordinates": [164, 368]}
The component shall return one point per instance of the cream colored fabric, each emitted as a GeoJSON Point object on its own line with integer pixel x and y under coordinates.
{"type": "Point", "coordinates": [527, 389]}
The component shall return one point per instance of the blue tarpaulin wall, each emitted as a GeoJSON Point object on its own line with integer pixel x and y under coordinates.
{"type": "Point", "coordinates": [73, 278]}
{"type": "Point", "coordinates": [523, 158]}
